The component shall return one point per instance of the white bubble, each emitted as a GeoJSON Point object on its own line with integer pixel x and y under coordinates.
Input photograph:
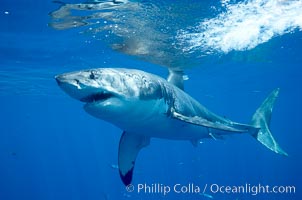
{"type": "Point", "coordinates": [6, 12]}
{"type": "Point", "coordinates": [243, 26]}
{"type": "Point", "coordinates": [185, 77]}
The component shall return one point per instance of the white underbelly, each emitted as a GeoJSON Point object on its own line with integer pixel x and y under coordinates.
{"type": "Point", "coordinates": [151, 120]}
{"type": "Point", "coordinates": [168, 128]}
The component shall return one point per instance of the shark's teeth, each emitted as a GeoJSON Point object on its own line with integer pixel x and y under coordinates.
{"type": "Point", "coordinates": [100, 96]}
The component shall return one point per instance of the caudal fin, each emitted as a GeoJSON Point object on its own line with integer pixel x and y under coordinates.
{"type": "Point", "coordinates": [261, 119]}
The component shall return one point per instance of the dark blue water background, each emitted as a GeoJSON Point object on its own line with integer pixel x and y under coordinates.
{"type": "Point", "coordinates": [50, 149]}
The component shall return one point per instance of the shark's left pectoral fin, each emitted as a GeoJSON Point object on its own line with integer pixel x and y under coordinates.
{"type": "Point", "coordinates": [130, 145]}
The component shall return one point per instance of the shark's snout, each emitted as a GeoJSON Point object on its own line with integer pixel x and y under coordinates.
{"type": "Point", "coordinates": [58, 79]}
{"type": "Point", "coordinates": [63, 80]}
{"type": "Point", "coordinates": [70, 85]}
{"type": "Point", "coordinates": [75, 87]}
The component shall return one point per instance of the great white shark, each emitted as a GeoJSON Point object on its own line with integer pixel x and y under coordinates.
{"type": "Point", "coordinates": [147, 106]}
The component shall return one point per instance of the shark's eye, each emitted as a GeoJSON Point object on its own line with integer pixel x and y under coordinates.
{"type": "Point", "coordinates": [92, 76]}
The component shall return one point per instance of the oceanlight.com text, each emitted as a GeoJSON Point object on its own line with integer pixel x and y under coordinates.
{"type": "Point", "coordinates": [250, 189]}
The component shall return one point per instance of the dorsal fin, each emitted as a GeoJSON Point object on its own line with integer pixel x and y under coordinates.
{"type": "Point", "coordinates": [176, 78]}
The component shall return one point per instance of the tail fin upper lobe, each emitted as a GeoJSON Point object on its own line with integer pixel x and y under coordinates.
{"type": "Point", "coordinates": [261, 119]}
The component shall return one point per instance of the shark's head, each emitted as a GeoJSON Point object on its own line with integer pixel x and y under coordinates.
{"type": "Point", "coordinates": [110, 93]}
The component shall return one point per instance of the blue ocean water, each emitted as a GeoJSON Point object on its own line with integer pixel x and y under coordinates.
{"type": "Point", "coordinates": [51, 149]}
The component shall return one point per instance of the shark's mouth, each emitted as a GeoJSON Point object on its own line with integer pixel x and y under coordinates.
{"type": "Point", "coordinates": [100, 96]}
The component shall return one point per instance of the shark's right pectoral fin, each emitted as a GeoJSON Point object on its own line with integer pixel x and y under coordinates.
{"type": "Point", "coordinates": [130, 145]}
